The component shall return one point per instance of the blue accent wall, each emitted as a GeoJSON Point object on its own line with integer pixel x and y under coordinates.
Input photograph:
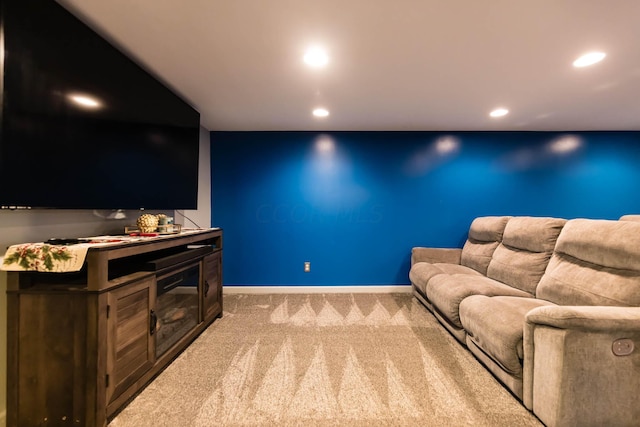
{"type": "Point", "coordinates": [355, 203]}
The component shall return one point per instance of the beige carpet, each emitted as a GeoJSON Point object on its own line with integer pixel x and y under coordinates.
{"type": "Point", "coordinates": [333, 359]}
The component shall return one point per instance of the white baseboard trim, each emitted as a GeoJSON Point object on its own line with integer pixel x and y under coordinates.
{"type": "Point", "coordinates": [383, 289]}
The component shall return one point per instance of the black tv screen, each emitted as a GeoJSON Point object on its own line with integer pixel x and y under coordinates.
{"type": "Point", "coordinates": [83, 126]}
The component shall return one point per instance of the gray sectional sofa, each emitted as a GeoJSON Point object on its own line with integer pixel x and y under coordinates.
{"type": "Point", "coordinates": [550, 306]}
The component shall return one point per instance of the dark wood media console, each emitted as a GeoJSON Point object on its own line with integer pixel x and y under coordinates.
{"type": "Point", "coordinates": [81, 345]}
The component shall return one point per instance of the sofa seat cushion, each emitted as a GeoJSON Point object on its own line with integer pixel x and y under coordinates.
{"type": "Point", "coordinates": [422, 272]}
{"type": "Point", "coordinates": [446, 292]}
{"type": "Point", "coordinates": [496, 325]}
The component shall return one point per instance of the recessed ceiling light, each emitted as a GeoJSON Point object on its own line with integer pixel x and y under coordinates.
{"type": "Point", "coordinates": [499, 112]}
{"type": "Point", "coordinates": [316, 57]}
{"type": "Point", "coordinates": [589, 59]}
{"type": "Point", "coordinates": [321, 112]}
{"type": "Point", "coordinates": [85, 101]}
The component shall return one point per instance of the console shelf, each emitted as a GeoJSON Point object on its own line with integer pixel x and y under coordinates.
{"type": "Point", "coordinates": [81, 345]}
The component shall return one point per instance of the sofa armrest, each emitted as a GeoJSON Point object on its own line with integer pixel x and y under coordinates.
{"type": "Point", "coordinates": [432, 255]}
{"type": "Point", "coordinates": [582, 365]}
{"type": "Point", "coordinates": [587, 318]}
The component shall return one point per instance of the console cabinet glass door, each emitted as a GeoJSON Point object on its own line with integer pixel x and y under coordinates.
{"type": "Point", "coordinates": [130, 349]}
{"type": "Point", "coordinates": [212, 286]}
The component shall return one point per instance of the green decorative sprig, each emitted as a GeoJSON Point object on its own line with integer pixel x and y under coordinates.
{"type": "Point", "coordinates": [29, 257]}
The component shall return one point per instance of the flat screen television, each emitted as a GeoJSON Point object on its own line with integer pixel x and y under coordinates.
{"type": "Point", "coordinates": [82, 125]}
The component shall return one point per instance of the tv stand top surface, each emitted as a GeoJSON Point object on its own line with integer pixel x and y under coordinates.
{"type": "Point", "coordinates": [139, 245]}
{"type": "Point", "coordinates": [101, 258]}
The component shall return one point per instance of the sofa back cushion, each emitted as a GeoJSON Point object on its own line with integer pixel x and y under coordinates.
{"type": "Point", "coordinates": [485, 234]}
{"type": "Point", "coordinates": [630, 217]}
{"type": "Point", "coordinates": [522, 257]}
{"type": "Point", "coordinates": [595, 262]}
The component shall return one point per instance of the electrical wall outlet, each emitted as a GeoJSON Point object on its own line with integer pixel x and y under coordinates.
{"type": "Point", "coordinates": [307, 266]}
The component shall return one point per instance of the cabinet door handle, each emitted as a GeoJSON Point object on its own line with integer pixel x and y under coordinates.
{"type": "Point", "coordinates": [153, 319]}
{"type": "Point", "coordinates": [206, 287]}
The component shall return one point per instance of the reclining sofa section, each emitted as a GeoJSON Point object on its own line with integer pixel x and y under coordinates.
{"type": "Point", "coordinates": [551, 307]}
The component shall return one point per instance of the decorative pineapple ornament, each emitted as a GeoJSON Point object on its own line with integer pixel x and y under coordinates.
{"type": "Point", "coordinates": [147, 223]}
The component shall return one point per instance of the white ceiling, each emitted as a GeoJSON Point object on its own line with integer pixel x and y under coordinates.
{"type": "Point", "coordinates": [394, 64]}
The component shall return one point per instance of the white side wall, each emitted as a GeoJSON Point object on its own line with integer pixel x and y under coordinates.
{"type": "Point", "coordinates": [39, 225]}
{"type": "Point", "coordinates": [202, 215]}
